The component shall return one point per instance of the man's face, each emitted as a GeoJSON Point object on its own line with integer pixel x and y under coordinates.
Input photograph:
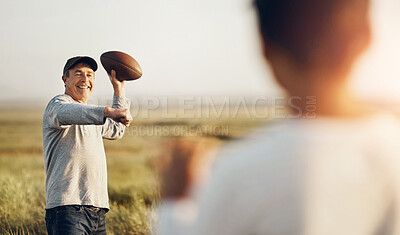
{"type": "Point", "coordinates": [79, 84]}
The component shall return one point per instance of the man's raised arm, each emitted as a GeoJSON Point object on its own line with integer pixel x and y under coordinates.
{"type": "Point", "coordinates": [113, 129]}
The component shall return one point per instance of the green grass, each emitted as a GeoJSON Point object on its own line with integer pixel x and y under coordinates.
{"type": "Point", "coordinates": [133, 186]}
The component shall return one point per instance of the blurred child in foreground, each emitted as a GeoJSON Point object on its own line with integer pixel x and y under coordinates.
{"type": "Point", "coordinates": [337, 172]}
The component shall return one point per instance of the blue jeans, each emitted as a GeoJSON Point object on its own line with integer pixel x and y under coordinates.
{"type": "Point", "coordinates": [76, 220]}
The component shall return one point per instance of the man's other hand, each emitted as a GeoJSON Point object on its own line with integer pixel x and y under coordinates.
{"type": "Point", "coordinates": [119, 115]}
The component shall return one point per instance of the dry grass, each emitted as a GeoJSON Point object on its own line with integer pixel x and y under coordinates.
{"type": "Point", "coordinates": [133, 184]}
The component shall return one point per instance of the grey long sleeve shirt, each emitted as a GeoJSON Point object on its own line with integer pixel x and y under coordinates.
{"type": "Point", "coordinates": [74, 156]}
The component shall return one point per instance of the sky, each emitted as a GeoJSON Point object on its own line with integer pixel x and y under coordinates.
{"type": "Point", "coordinates": [185, 47]}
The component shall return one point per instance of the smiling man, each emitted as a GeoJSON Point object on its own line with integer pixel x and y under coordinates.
{"type": "Point", "coordinates": [74, 156]}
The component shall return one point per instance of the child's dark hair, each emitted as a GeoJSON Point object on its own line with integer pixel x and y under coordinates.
{"type": "Point", "coordinates": [299, 26]}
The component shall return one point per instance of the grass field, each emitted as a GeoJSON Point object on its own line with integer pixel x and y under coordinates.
{"type": "Point", "coordinates": [133, 186]}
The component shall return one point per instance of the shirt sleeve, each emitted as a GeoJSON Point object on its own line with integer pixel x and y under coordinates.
{"type": "Point", "coordinates": [61, 113]}
{"type": "Point", "coordinates": [218, 211]}
{"type": "Point", "coordinates": [212, 210]}
{"type": "Point", "coordinates": [112, 129]}
{"type": "Point", "coordinates": [176, 216]}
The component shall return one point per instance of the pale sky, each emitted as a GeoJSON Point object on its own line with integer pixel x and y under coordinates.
{"type": "Point", "coordinates": [185, 47]}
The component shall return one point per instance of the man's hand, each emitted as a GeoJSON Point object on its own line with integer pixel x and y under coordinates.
{"type": "Point", "coordinates": [119, 86]}
{"type": "Point", "coordinates": [119, 115]}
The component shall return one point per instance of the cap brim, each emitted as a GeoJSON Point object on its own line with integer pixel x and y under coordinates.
{"type": "Point", "coordinates": [87, 60]}
{"type": "Point", "coordinates": [80, 59]}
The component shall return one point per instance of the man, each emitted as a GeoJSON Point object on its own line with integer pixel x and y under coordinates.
{"type": "Point", "coordinates": [74, 157]}
{"type": "Point", "coordinates": [334, 174]}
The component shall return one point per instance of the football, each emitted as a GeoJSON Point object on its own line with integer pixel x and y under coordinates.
{"type": "Point", "coordinates": [125, 66]}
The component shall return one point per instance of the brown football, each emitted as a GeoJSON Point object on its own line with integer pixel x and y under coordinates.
{"type": "Point", "coordinates": [126, 67]}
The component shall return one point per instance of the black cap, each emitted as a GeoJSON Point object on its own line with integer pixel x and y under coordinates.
{"type": "Point", "coordinates": [80, 59]}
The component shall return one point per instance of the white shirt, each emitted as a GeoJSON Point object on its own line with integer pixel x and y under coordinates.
{"type": "Point", "coordinates": [307, 176]}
